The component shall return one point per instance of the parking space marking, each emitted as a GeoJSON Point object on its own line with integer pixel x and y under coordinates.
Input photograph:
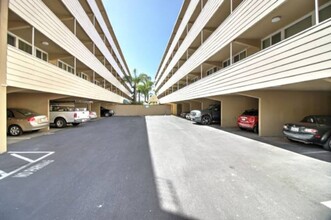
{"type": "Point", "coordinates": [4, 175]}
{"type": "Point", "coordinates": [23, 158]}
{"type": "Point", "coordinates": [327, 204]}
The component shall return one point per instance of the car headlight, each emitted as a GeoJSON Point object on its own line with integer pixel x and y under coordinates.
{"type": "Point", "coordinates": [285, 127]}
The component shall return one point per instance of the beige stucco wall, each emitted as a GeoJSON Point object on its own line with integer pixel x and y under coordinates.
{"type": "Point", "coordinates": [140, 110]}
{"type": "Point", "coordinates": [195, 105]}
{"type": "Point", "coordinates": [185, 107]}
{"type": "Point", "coordinates": [206, 102]}
{"type": "Point", "coordinates": [232, 106]}
{"type": "Point", "coordinates": [279, 107]}
{"type": "Point", "coordinates": [95, 107]}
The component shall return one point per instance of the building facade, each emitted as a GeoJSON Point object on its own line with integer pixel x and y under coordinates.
{"type": "Point", "coordinates": [58, 50]}
{"type": "Point", "coordinates": [270, 55]}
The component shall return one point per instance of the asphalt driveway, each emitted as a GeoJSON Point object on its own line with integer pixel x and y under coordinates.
{"type": "Point", "coordinates": [158, 167]}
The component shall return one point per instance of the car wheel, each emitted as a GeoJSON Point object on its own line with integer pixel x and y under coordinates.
{"type": "Point", "coordinates": [327, 145]}
{"type": "Point", "coordinates": [206, 120]}
{"type": "Point", "coordinates": [256, 130]}
{"type": "Point", "coordinates": [106, 114]}
{"type": "Point", "coordinates": [60, 123]}
{"type": "Point", "coordinates": [75, 124]}
{"type": "Point", "coordinates": [15, 130]}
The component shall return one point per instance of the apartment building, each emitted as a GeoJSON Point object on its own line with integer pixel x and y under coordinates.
{"type": "Point", "coordinates": [58, 50]}
{"type": "Point", "coordinates": [270, 55]}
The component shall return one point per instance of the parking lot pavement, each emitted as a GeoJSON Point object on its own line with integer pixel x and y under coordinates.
{"type": "Point", "coordinates": [208, 173]}
{"type": "Point", "coordinates": [99, 170]}
{"type": "Point", "coordinates": [310, 150]}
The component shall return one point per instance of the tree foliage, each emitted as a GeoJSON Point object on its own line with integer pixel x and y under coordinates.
{"type": "Point", "coordinates": [141, 84]}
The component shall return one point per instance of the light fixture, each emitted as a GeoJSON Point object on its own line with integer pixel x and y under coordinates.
{"type": "Point", "coordinates": [275, 19]}
{"type": "Point", "coordinates": [45, 43]}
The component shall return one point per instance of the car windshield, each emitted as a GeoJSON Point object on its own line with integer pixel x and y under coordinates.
{"type": "Point", "coordinates": [323, 120]}
{"type": "Point", "coordinates": [26, 112]}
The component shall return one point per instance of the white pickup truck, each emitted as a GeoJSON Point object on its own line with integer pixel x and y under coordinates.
{"type": "Point", "coordinates": [62, 115]}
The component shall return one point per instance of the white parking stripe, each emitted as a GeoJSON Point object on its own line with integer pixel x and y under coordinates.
{"type": "Point", "coordinates": [327, 204]}
{"type": "Point", "coordinates": [23, 158]}
{"type": "Point", "coordinates": [47, 153]}
{"type": "Point", "coordinates": [2, 173]}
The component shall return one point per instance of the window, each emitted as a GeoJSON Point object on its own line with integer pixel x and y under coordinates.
{"type": "Point", "coordinates": [276, 38]}
{"type": "Point", "coordinates": [24, 46]}
{"type": "Point", "coordinates": [212, 70]}
{"type": "Point", "coordinates": [41, 54]}
{"type": "Point", "coordinates": [84, 76]}
{"type": "Point", "coordinates": [325, 13]}
{"type": "Point", "coordinates": [271, 40]}
{"type": "Point", "coordinates": [239, 56]}
{"type": "Point", "coordinates": [70, 69]}
{"type": "Point", "coordinates": [298, 27]}
{"type": "Point", "coordinates": [96, 82]}
{"type": "Point", "coordinates": [11, 40]}
{"type": "Point", "coordinates": [65, 66]}
{"type": "Point", "coordinates": [226, 63]}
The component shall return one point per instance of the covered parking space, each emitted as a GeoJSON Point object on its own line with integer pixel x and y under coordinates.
{"type": "Point", "coordinates": [290, 103]}
{"type": "Point", "coordinates": [232, 106]}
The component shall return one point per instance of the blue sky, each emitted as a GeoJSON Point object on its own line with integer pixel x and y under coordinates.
{"type": "Point", "coordinates": [143, 28]}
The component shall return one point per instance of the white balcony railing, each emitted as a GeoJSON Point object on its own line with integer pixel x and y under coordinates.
{"type": "Point", "coordinates": [303, 57]}
{"type": "Point", "coordinates": [245, 16]}
{"type": "Point", "coordinates": [37, 14]}
{"type": "Point", "coordinates": [28, 72]}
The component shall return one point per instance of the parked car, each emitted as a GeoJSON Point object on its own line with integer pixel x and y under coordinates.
{"type": "Point", "coordinates": [106, 112]}
{"type": "Point", "coordinates": [22, 120]}
{"type": "Point", "coordinates": [249, 120]}
{"type": "Point", "coordinates": [312, 129]}
{"type": "Point", "coordinates": [207, 116]}
{"type": "Point", "coordinates": [63, 115]}
{"type": "Point", "coordinates": [93, 115]}
{"type": "Point", "coordinates": [183, 114]}
{"type": "Point", "coordinates": [188, 116]}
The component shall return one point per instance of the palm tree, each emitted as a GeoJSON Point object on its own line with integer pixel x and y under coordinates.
{"type": "Point", "coordinates": [134, 81]}
{"type": "Point", "coordinates": [141, 84]}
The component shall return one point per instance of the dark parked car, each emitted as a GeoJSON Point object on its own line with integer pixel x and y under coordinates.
{"type": "Point", "coordinates": [249, 120]}
{"type": "Point", "coordinates": [106, 112]}
{"type": "Point", "coordinates": [313, 129]}
{"type": "Point", "coordinates": [207, 116]}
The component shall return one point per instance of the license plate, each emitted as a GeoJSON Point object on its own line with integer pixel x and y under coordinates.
{"type": "Point", "coordinates": [294, 129]}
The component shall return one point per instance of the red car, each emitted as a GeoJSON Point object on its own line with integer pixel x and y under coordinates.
{"type": "Point", "coordinates": [249, 120]}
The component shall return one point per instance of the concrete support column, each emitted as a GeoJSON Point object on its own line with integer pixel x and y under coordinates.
{"type": "Point", "coordinates": [232, 106]}
{"type": "Point", "coordinates": [95, 107]}
{"type": "Point", "coordinates": [174, 109]}
{"type": "Point", "coordinates": [3, 74]}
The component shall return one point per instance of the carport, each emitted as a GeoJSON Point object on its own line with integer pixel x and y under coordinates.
{"type": "Point", "coordinates": [232, 106]}
{"type": "Point", "coordinates": [290, 103]}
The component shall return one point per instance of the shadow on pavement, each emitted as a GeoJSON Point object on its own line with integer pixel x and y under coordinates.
{"type": "Point", "coordinates": [310, 150]}
{"type": "Point", "coordinates": [101, 170]}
